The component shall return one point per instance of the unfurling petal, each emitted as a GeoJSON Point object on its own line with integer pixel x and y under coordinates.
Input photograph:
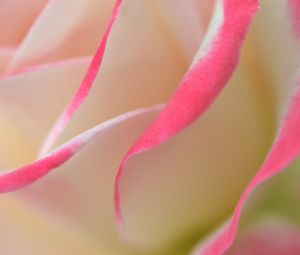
{"type": "Point", "coordinates": [202, 83]}
{"type": "Point", "coordinates": [20, 177]}
{"type": "Point", "coordinates": [200, 191]}
{"type": "Point", "coordinates": [83, 89]}
{"type": "Point", "coordinates": [285, 149]}
{"type": "Point", "coordinates": [27, 107]}
{"type": "Point", "coordinates": [79, 195]}
{"type": "Point", "coordinates": [139, 76]}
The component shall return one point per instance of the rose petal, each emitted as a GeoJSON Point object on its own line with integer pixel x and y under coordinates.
{"type": "Point", "coordinates": [65, 29]}
{"type": "Point", "coordinates": [16, 17]}
{"type": "Point", "coordinates": [201, 85]}
{"type": "Point", "coordinates": [25, 98]}
{"type": "Point", "coordinates": [16, 178]}
{"type": "Point", "coordinates": [80, 194]}
{"type": "Point", "coordinates": [83, 89]}
{"type": "Point", "coordinates": [160, 187]}
{"type": "Point", "coordinates": [19, 90]}
{"type": "Point", "coordinates": [285, 149]}
{"type": "Point", "coordinates": [138, 76]}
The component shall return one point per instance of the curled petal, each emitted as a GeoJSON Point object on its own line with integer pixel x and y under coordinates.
{"type": "Point", "coordinates": [24, 123]}
{"type": "Point", "coordinates": [285, 149]}
{"type": "Point", "coordinates": [60, 201]}
{"type": "Point", "coordinates": [139, 76]}
{"type": "Point", "coordinates": [83, 89]}
{"type": "Point", "coordinates": [14, 179]}
{"type": "Point", "coordinates": [184, 170]}
{"type": "Point", "coordinates": [215, 63]}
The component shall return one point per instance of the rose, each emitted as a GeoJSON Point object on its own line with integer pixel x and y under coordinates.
{"type": "Point", "coordinates": [163, 207]}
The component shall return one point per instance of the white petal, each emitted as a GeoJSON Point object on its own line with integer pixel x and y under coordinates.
{"type": "Point", "coordinates": [192, 182]}
{"type": "Point", "coordinates": [30, 102]}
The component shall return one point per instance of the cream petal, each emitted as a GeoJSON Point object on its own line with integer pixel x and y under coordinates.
{"type": "Point", "coordinates": [30, 102]}
{"type": "Point", "coordinates": [84, 88]}
{"type": "Point", "coordinates": [278, 196]}
{"type": "Point", "coordinates": [285, 148]}
{"type": "Point", "coordinates": [199, 88]}
{"type": "Point", "coordinates": [141, 66]}
{"type": "Point", "coordinates": [65, 29]}
{"type": "Point", "coordinates": [16, 17]}
{"type": "Point", "coordinates": [192, 182]}
{"type": "Point", "coordinates": [79, 194]}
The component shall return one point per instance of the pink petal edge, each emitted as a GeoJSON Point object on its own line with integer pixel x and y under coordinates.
{"type": "Point", "coordinates": [83, 90]}
{"type": "Point", "coordinates": [198, 88]}
{"type": "Point", "coordinates": [14, 179]}
{"type": "Point", "coordinates": [284, 150]}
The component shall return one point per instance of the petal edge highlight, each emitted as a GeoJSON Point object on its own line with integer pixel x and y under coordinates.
{"type": "Point", "coordinates": [199, 87]}
{"type": "Point", "coordinates": [284, 150]}
{"type": "Point", "coordinates": [15, 179]}
{"type": "Point", "coordinates": [83, 89]}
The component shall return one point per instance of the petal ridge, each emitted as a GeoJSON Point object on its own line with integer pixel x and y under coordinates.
{"type": "Point", "coordinates": [199, 87]}
{"type": "Point", "coordinates": [83, 89]}
{"type": "Point", "coordinates": [14, 179]}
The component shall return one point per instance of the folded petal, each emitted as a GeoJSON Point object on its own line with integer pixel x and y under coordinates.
{"type": "Point", "coordinates": [180, 190]}
{"type": "Point", "coordinates": [140, 75]}
{"type": "Point", "coordinates": [79, 195]}
{"type": "Point", "coordinates": [285, 149]}
{"type": "Point", "coordinates": [83, 89]}
{"type": "Point", "coordinates": [212, 69]}
{"type": "Point", "coordinates": [30, 101]}
{"type": "Point", "coordinates": [56, 81]}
